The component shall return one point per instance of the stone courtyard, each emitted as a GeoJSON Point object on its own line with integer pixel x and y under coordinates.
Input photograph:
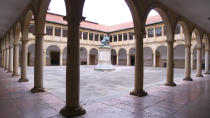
{"type": "Point", "coordinates": [101, 86]}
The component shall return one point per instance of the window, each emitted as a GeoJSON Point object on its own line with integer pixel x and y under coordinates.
{"type": "Point", "coordinates": [158, 31]}
{"type": "Point", "coordinates": [57, 31]}
{"type": "Point", "coordinates": [130, 35]}
{"type": "Point", "coordinates": [115, 38]}
{"type": "Point", "coordinates": [49, 30]}
{"type": "Point", "coordinates": [164, 29]}
{"type": "Point", "coordinates": [177, 31]}
{"type": "Point", "coordinates": [120, 37]}
{"type": "Point", "coordinates": [80, 35]}
{"type": "Point", "coordinates": [91, 36]}
{"type": "Point", "coordinates": [65, 32]}
{"type": "Point", "coordinates": [110, 38]}
{"type": "Point", "coordinates": [150, 32]}
{"type": "Point", "coordinates": [96, 37]}
{"type": "Point", "coordinates": [31, 28]}
{"type": "Point", "coordinates": [101, 37]}
{"type": "Point", "coordinates": [85, 35]}
{"type": "Point", "coordinates": [125, 36]}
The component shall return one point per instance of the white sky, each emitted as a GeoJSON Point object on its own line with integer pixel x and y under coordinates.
{"type": "Point", "coordinates": [107, 12]}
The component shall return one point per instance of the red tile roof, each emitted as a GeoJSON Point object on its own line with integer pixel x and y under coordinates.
{"type": "Point", "coordinates": [99, 27]}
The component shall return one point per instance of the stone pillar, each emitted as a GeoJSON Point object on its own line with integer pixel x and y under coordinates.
{"type": "Point", "coordinates": [7, 59]}
{"type": "Point", "coordinates": [139, 67]}
{"type": "Point", "coordinates": [207, 62]}
{"type": "Point", "coordinates": [192, 60]}
{"type": "Point", "coordinates": [88, 58]}
{"type": "Point", "coordinates": [170, 64]}
{"type": "Point", "coordinates": [187, 64]}
{"type": "Point", "coordinates": [44, 56]}
{"type": "Point", "coordinates": [61, 58]}
{"type": "Point", "coordinates": [15, 60]}
{"type": "Point", "coordinates": [128, 60]}
{"type": "Point", "coordinates": [24, 58]}
{"type": "Point", "coordinates": [117, 59]}
{"type": "Point", "coordinates": [73, 107]}
{"type": "Point", "coordinates": [199, 59]}
{"type": "Point", "coordinates": [10, 59]}
{"type": "Point", "coordinates": [39, 63]}
{"type": "Point", "coordinates": [154, 59]}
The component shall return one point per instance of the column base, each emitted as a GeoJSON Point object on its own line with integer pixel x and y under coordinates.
{"type": "Point", "coordinates": [188, 79]}
{"type": "Point", "coordinates": [37, 90]}
{"type": "Point", "coordinates": [172, 84]}
{"type": "Point", "coordinates": [72, 111]}
{"type": "Point", "coordinates": [23, 80]}
{"type": "Point", "coordinates": [15, 75]}
{"type": "Point", "coordinates": [138, 93]}
{"type": "Point", "coordinates": [9, 71]}
{"type": "Point", "coordinates": [199, 75]}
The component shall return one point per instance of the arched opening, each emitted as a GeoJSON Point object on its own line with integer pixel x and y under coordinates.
{"type": "Point", "coordinates": [122, 57]}
{"type": "Point", "coordinates": [179, 56]}
{"type": "Point", "coordinates": [162, 51]}
{"type": "Point", "coordinates": [113, 57]}
{"type": "Point", "coordinates": [148, 57]}
{"type": "Point", "coordinates": [31, 55]}
{"type": "Point", "coordinates": [53, 56]}
{"type": "Point", "coordinates": [93, 56]}
{"type": "Point", "coordinates": [83, 56]}
{"type": "Point", "coordinates": [132, 56]}
{"type": "Point", "coordinates": [64, 56]}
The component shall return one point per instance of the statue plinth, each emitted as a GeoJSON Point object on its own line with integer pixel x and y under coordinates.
{"type": "Point", "coordinates": [104, 60]}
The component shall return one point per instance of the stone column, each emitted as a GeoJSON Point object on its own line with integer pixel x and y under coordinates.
{"type": "Point", "coordinates": [187, 64]}
{"type": "Point", "coordinates": [73, 107]}
{"type": "Point", "coordinates": [10, 59]}
{"type": "Point", "coordinates": [39, 63]}
{"type": "Point", "coordinates": [88, 58]}
{"type": "Point", "coordinates": [170, 64]}
{"type": "Point", "coordinates": [207, 62]}
{"type": "Point", "coordinates": [44, 56]}
{"type": "Point", "coordinates": [7, 59]}
{"type": "Point", "coordinates": [192, 60]}
{"type": "Point", "coordinates": [154, 59]}
{"type": "Point", "coordinates": [139, 67]}
{"type": "Point", "coordinates": [24, 58]}
{"type": "Point", "coordinates": [128, 60]}
{"type": "Point", "coordinates": [117, 59]}
{"type": "Point", "coordinates": [199, 58]}
{"type": "Point", "coordinates": [61, 58]}
{"type": "Point", "coordinates": [15, 60]}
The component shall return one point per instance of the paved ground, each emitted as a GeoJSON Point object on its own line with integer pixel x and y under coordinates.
{"type": "Point", "coordinates": [186, 100]}
{"type": "Point", "coordinates": [100, 86]}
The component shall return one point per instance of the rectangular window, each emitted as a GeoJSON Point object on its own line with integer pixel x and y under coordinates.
{"type": "Point", "coordinates": [130, 35]}
{"type": "Point", "coordinates": [85, 35]}
{"type": "Point", "coordinates": [91, 36]}
{"type": "Point", "coordinates": [115, 38]}
{"type": "Point", "coordinates": [57, 31]}
{"type": "Point", "coordinates": [31, 28]}
{"type": "Point", "coordinates": [158, 31]}
{"type": "Point", "coordinates": [101, 37]}
{"type": "Point", "coordinates": [96, 37]}
{"type": "Point", "coordinates": [65, 32]}
{"type": "Point", "coordinates": [177, 31]}
{"type": "Point", "coordinates": [125, 36]}
{"type": "Point", "coordinates": [49, 30]}
{"type": "Point", "coordinates": [120, 37]}
{"type": "Point", "coordinates": [150, 32]}
{"type": "Point", "coordinates": [110, 38]}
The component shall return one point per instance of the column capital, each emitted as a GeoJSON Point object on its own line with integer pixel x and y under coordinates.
{"type": "Point", "coordinates": [24, 41]}
{"type": "Point", "coordinates": [74, 19]}
{"type": "Point", "coordinates": [169, 41]}
{"type": "Point", "coordinates": [39, 35]}
{"type": "Point", "coordinates": [188, 45]}
{"type": "Point", "coordinates": [16, 44]}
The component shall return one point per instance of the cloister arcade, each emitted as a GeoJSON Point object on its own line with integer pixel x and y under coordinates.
{"type": "Point", "coordinates": [73, 53]}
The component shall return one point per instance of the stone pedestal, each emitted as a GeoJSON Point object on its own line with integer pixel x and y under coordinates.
{"type": "Point", "coordinates": [104, 60]}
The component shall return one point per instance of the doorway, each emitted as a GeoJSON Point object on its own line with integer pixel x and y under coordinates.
{"type": "Point", "coordinates": [54, 58]}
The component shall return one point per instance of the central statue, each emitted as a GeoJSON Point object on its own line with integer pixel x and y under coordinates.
{"type": "Point", "coordinates": [105, 41]}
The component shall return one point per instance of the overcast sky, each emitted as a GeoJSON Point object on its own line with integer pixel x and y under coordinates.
{"type": "Point", "coordinates": [107, 12]}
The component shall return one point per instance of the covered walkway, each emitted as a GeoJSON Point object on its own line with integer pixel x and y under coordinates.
{"type": "Point", "coordinates": [187, 100]}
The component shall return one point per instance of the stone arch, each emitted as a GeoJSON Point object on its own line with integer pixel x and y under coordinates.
{"type": "Point", "coordinates": [148, 56]}
{"type": "Point", "coordinates": [161, 52]}
{"type": "Point", "coordinates": [179, 56]}
{"type": "Point", "coordinates": [83, 56]}
{"type": "Point", "coordinates": [17, 32]}
{"type": "Point", "coordinates": [198, 38]}
{"type": "Point", "coordinates": [122, 56]}
{"type": "Point", "coordinates": [26, 22]}
{"type": "Point", "coordinates": [165, 17]}
{"type": "Point", "coordinates": [11, 38]}
{"type": "Point", "coordinates": [93, 56]}
{"type": "Point", "coordinates": [113, 56]}
{"type": "Point", "coordinates": [53, 55]}
{"type": "Point", "coordinates": [132, 52]}
{"type": "Point", "coordinates": [185, 32]}
{"type": "Point", "coordinates": [64, 56]}
{"type": "Point", "coordinates": [31, 54]}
